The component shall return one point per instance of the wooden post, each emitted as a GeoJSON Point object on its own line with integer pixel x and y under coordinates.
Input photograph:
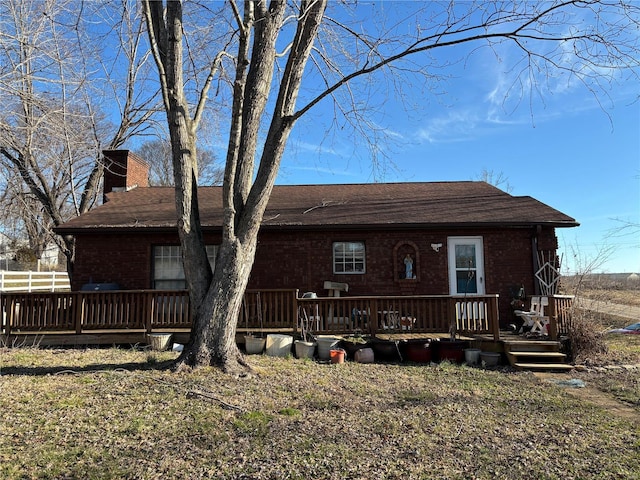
{"type": "Point", "coordinates": [495, 318]}
{"type": "Point", "coordinates": [374, 323]}
{"type": "Point", "coordinates": [78, 312]}
{"type": "Point", "coordinates": [149, 311]}
{"type": "Point", "coordinates": [553, 318]}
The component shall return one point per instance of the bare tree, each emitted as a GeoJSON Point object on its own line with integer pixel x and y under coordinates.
{"type": "Point", "coordinates": [270, 47]}
{"type": "Point", "coordinates": [57, 72]}
{"type": "Point", "coordinates": [157, 153]}
{"type": "Point", "coordinates": [496, 179]}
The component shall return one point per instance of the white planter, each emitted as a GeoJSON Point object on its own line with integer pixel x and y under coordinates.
{"type": "Point", "coordinates": [325, 344]}
{"type": "Point", "coordinates": [253, 345]}
{"type": "Point", "coordinates": [159, 341]}
{"type": "Point", "coordinates": [279, 345]}
{"type": "Point", "coordinates": [304, 349]}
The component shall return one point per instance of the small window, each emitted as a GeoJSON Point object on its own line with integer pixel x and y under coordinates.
{"type": "Point", "coordinates": [168, 272]}
{"type": "Point", "coordinates": [348, 257]}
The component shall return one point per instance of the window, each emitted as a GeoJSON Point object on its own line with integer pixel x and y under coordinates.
{"type": "Point", "coordinates": [168, 272]}
{"type": "Point", "coordinates": [348, 257]}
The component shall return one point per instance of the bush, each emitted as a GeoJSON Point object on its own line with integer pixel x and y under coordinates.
{"type": "Point", "coordinates": [585, 338]}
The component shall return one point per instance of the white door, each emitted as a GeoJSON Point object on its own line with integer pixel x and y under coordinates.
{"type": "Point", "coordinates": [466, 265]}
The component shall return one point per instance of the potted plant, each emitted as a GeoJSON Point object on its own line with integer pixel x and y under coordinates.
{"type": "Point", "coordinates": [352, 343]}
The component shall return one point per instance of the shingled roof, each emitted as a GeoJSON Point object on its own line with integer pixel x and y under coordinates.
{"type": "Point", "coordinates": [375, 205]}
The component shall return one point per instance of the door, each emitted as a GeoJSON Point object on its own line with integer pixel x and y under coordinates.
{"type": "Point", "coordinates": [466, 265]}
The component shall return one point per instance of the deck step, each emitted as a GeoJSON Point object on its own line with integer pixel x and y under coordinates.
{"type": "Point", "coordinates": [542, 366]}
{"type": "Point", "coordinates": [538, 354]}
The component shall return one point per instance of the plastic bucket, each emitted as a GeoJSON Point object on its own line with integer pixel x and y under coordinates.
{"type": "Point", "coordinates": [279, 345]}
{"type": "Point", "coordinates": [325, 344]}
{"type": "Point", "coordinates": [254, 345]}
{"type": "Point", "coordinates": [337, 355]}
{"type": "Point", "coordinates": [472, 356]}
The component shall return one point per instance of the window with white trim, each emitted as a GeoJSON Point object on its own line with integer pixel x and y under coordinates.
{"type": "Point", "coordinates": [348, 257]}
{"type": "Point", "coordinates": [168, 271]}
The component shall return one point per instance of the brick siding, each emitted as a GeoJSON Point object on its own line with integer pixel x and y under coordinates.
{"type": "Point", "coordinates": [303, 260]}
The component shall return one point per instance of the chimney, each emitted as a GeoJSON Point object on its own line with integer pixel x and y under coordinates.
{"type": "Point", "coordinates": [123, 171]}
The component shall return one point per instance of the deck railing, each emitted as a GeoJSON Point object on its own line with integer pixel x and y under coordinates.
{"type": "Point", "coordinates": [410, 314]}
{"type": "Point", "coordinates": [157, 310]}
{"type": "Point", "coordinates": [560, 310]}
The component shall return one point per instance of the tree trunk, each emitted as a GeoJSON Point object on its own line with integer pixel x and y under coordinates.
{"type": "Point", "coordinates": [213, 333]}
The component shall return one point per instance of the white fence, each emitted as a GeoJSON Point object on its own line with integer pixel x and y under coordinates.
{"type": "Point", "coordinates": [34, 281]}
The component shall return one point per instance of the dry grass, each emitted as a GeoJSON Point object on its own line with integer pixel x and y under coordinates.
{"type": "Point", "coordinates": [110, 413]}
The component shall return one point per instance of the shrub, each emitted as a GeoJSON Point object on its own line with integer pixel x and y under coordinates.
{"type": "Point", "coordinates": [585, 338]}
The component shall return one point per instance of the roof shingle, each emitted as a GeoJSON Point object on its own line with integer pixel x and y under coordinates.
{"type": "Point", "coordinates": [347, 205]}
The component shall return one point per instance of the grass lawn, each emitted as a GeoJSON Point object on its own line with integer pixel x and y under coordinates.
{"type": "Point", "coordinates": [114, 413]}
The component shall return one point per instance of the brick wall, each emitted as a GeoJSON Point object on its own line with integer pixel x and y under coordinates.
{"type": "Point", "coordinates": [303, 260]}
{"type": "Point", "coordinates": [124, 170]}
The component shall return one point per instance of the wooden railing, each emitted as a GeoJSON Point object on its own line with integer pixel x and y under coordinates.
{"type": "Point", "coordinates": [411, 314]}
{"type": "Point", "coordinates": [132, 310]}
{"type": "Point", "coordinates": [157, 310]}
{"type": "Point", "coordinates": [560, 310]}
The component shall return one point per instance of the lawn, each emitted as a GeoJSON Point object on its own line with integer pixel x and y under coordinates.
{"type": "Point", "coordinates": [115, 413]}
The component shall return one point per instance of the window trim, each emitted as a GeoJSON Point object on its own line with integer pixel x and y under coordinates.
{"type": "Point", "coordinates": [212, 252]}
{"type": "Point", "coordinates": [345, 261]}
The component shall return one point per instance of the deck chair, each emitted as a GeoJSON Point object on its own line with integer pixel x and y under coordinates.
{"type": "Point", "coordinates": [535, 317]}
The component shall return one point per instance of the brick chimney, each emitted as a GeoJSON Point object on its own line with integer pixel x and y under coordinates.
{"type": "Point", "coordinates": [123, 170]}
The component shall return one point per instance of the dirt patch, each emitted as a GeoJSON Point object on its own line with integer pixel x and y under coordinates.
{"type": "Point", "coordinates": [593, 395]}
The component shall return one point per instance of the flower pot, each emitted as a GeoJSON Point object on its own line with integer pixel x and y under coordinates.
{"type": "Point", "coordinates": [364, 355]}
{"type": "Point", "coordinates": [352, 346]}
{"type": "Point", "coordinates": [279, 345]}
{"type": "Point", "coordinates": [472, 356]}
{"type": "Point", "coordinates": [253, 345]}
{"type": "Point", "coordinates": [304, 349]}
{"type": "Point", "coordinates": [450, 350]}
{"type": "Point", "coordinates": [386, 350]}
{"type": "Point", "coordinates": [325, 344]}
{"type": "Point", "coordinates": [159, 341]}
{"type": "Point", "coordinates": [490, 359]}
{"type": "Point", "coordinates": [418, 350]}
{"type": "Point", "coordinates": [337, 355]}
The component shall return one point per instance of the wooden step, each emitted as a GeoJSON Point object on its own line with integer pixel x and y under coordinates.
{"type": "Point", "coordinates": [542, 366]}
{"type": "Point", "coordinates": [538, 354]}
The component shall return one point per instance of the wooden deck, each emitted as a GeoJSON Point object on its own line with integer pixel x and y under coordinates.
{"type": "Point", "coordinates": [128, 317]}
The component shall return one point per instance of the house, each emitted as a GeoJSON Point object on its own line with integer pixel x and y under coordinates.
{"type": "Point", "coordinates": [434, 238]}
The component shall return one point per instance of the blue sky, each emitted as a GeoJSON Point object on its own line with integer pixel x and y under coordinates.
{"type": "Point", "coordinates": [562, 146]}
